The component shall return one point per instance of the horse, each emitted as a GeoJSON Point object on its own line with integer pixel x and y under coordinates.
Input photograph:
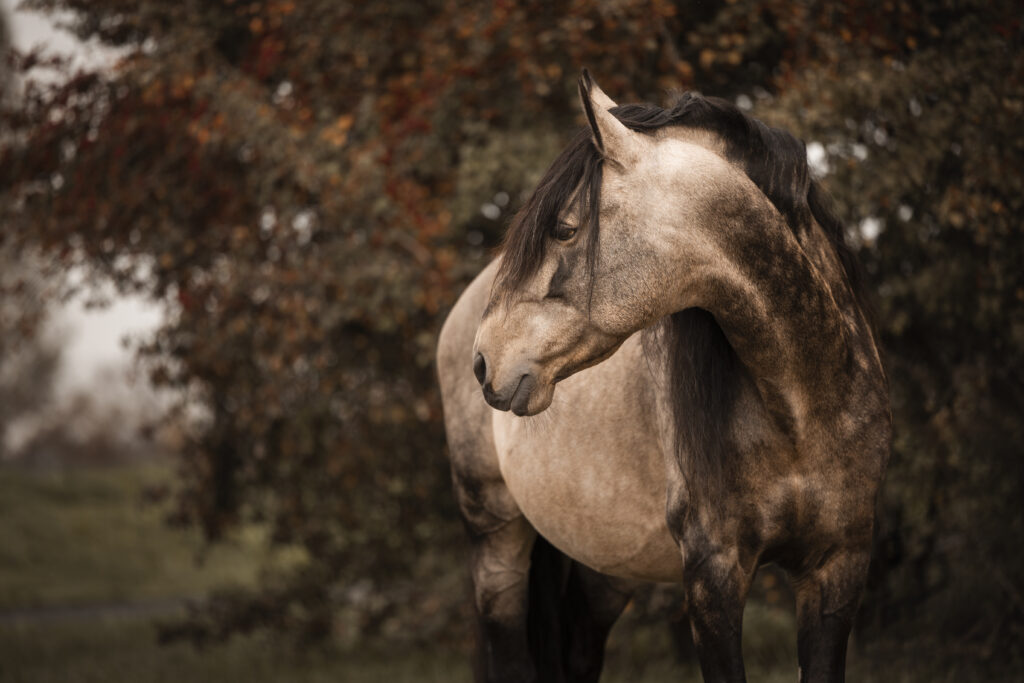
{"type": "Point", "coordinates": [721, 401]}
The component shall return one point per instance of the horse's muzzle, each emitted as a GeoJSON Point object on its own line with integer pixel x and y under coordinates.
{"type": "Point", "coordinates": [520, 403]}
{"type": "Point", "coordinates": [514, 397]}
{"type": "Point", "coordinates": [517, 400]}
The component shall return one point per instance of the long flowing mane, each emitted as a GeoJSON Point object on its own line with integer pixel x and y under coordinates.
{"type": "Point", "coordinates": [704, 371]}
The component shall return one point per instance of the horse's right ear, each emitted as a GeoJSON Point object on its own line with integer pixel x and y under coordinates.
{"type": "Point", "coordinates": [613, 140]}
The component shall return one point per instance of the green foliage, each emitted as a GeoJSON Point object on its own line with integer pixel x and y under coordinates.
{"type": "Point", "coordinates": [302, 181]}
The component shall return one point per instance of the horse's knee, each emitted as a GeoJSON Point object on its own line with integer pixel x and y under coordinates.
{"type": "Point", "coordinates": [833, 586]}
{"type": "Point", "coordinates": [500, 568]}
{"type": "Point", "coordinates": [499, 591]}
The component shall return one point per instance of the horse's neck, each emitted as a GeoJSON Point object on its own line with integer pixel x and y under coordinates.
{"type": "Point", "coordinates": [782, 310]}
{"type": "Point", "coordinates": [818, 248]}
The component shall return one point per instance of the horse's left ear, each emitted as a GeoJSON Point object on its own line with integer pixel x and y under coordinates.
{"type": "Point", "coordinates": [615, 142]}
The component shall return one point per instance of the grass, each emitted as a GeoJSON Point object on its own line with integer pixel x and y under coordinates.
{"type": "Point", "coordinates": [83, 539]}
{"type": "Point", "coordinates": [85, 536]}
{"type": "Point", "coordinates": [643, 652]}
{"type": "Point", "coordinates": [126, 650]}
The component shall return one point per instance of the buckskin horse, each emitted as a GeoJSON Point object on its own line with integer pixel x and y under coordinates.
{"type": "Point", "coordinates": [721, 400]}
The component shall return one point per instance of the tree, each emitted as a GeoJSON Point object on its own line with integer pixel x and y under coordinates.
{"type": "Point", "coordinates": [29, 360]}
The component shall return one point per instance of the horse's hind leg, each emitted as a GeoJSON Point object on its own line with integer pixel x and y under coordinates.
{"type": "Point", "coordinates": [542, 617]}
{"type": "Point", "coordinates": [827, 597]}
{"type": "Point", "coordinates": [571, 610]}
{"type": "Point", "coordinates": [592, 604]}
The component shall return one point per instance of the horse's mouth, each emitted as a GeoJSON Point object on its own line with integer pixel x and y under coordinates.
{"type": "Point", "coordinates": [520, 403]}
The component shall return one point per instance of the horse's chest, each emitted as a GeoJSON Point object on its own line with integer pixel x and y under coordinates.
{"type": "Point", "coordinates": [589, 475]}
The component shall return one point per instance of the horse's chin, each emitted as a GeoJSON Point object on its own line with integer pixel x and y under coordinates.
{"type": "Point", "coordinates": [532, 398]}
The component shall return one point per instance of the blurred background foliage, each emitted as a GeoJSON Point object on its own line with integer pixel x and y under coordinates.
{"type": "Point", "coordinates": [309, 185]}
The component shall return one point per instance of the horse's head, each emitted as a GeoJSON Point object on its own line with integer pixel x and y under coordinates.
{"type": "Point", "coordinates": [588, 260]}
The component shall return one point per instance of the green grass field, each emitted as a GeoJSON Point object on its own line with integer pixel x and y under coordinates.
{"type": "Point", "coordinates": [85, 536]}
{"type": "Point", "coordinates": [86, 567]}
{"type": "Point", "coordinates": [126, 650]}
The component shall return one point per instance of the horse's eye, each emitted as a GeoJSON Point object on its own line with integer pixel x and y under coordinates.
{"type": "Point", "coordinates": [563, 232]}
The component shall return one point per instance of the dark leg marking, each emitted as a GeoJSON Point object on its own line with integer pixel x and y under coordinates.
{"type": "Point", "coordinates": [827, 597]}
{"type": "Point", "coordinates": [716, 591]}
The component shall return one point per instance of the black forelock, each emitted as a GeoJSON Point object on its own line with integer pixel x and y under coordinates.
{"type": "Point", "coordinates": [572, 181]}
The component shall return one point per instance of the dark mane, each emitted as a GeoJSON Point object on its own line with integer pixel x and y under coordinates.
{"type": "Point", "coordinates": [705, 372]}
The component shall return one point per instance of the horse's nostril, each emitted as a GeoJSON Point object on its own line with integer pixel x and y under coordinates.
{"type": "Point", "coordinates": [479, 367]}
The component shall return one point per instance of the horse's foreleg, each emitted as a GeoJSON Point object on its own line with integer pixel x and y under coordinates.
{"type": "Point", "coordinates": [500, 566]}
{"type": "Point", "coordinates": [827, 597]}
{"type": "Point", "coordinates": [716, 590]}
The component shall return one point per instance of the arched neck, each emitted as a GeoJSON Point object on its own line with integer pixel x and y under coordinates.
{"type": "Point", "coordinates": [778, 312]}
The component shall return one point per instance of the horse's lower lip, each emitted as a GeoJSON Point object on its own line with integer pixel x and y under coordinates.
{"type": "Point", "coordinates": [520, 403]}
